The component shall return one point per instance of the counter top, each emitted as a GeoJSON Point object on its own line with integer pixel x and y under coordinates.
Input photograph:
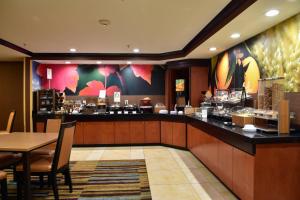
{"type": "Point", "coordinates": [232, 135]}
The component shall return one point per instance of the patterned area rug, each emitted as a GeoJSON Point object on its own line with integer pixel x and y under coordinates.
{"type": "Point", "coordinates": [101, 180]}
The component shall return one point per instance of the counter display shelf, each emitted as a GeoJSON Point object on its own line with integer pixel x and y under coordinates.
{"type": "Point", "coordinates": [249, 164]}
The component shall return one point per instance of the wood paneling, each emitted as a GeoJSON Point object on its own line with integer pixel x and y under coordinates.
{"type": "Point", "coordinates": [225, 161]}
{"type": "Point", "coordinates": [99, 133]}
{"type": "Point", "coordinates": [137, 132]}
{"type": "Point", "coordinates": [207, 150]}
{"type": "Point", "coordinates": [122, 132]}
{"type": "Point", "coordinates": [11, 87]}
{"type": "Point", "coordinates": [40, 127]}
{"type": "Point", "coordinates": [166, 132]}
{"type": "Point", "coordinates": [168, 89]}
{"type": "Point", "coordinates": [198, 83]}
{"type": "Point", "coordinates": [243, 175]}
{"type": "Point", "coordinates": [179, 134]}
{"type": "Point", "coordinates": [152, 131]}
{"type": "Point", "coordinates": [277, 170]}
{"type": "Point", "coordinates": [79, 133]}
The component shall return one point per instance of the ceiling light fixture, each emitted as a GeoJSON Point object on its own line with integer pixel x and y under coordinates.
{"type": "Point", "coordinates": [272, 13]}
{"type": "Point", "coordinates": [212, 48]}
{"type": "Point", "coordinates": [235, 35]}
{"type": "Point", "coordinates": [73, 50]}
{"type": "Point", "coordinates": [67, 62]}
{"type": "Point", "coordinates": [129, 62]}
{"type": "Point", "coordinates": [136, 50]}
{"type": "Point", "coordinates": [104, 22]}
{"type": "Point", "coordinates": [99, 62]}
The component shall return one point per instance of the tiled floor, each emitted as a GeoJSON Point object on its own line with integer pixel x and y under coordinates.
{"type": "Point", "coordinates": [173, 174]}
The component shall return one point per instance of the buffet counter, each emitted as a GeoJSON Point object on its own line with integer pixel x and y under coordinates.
{"type": "Point", "coordinates": [235, 136]}
{"type": "Point", "coordinates": [250, 164]}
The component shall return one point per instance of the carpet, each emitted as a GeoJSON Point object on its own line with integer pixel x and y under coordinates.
{"type": "Point", "coordinates": [101, 180]}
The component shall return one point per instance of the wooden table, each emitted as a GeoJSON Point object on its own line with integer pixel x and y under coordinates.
{"type": "Point", "coordinates": [22, 142]}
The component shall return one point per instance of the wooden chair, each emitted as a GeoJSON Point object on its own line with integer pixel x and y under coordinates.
{"type": "Point", "coordinates": [3, 186]}
{"type": "Point", "coordinates": [53, 126]}
{"type": "Point", "coordinates": [50, 166]}
{"type": "Point", "coordinates": [7, 160]}
{"type": "Point", "coordinates": [10, 123]}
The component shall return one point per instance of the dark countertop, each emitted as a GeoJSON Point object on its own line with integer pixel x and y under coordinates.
{"type": "Point", "coordinates": [235, 136]}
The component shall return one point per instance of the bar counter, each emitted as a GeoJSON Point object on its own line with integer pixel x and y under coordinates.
{"type": "Point", "coordinates": [249, 164]}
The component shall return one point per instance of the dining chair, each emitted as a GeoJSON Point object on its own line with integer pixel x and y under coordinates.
{"type": "Point", "coordinates": [3, 183]}
{"type": "Point", "coordinates": [10, 123]}
{"type": "Point", "coordinates": [51, 166]}
{"type": "Point", "coordinates": [8, 160]}
{"type": "Point", "coordinates": [52, 126]}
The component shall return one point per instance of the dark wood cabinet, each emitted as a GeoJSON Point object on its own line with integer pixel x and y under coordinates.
{"type": "Point", "coordinates": [137, 132]}
{"type": "Point", "coordinates": [99, 133]}
{"type": "Point", "coordinates": [152, 132]}
{"type": "Point", "coordinates": [79, 133]}
{"type": "Point", "coordinates": [122, 132]}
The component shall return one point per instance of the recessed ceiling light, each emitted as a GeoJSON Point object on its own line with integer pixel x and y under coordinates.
{"type": "Point", "coordinates": [272, 13]}
{"type": "Point", "coordinates": [67, 62]}
{"type": "Point", "coordinates": [99, 62]}
{"type": "Point", "coordinates": [129, 62]}
{"type": "Point", "coordinates": [235, 35]}
{"type": "Point", "coordinates": [212, 48]}
{"type": "Point", "coordinates": [73, 50]}
{"type": "Point", "coordinates": [136, 50]}
{"type": "Point", "coordinates": [104, 22]}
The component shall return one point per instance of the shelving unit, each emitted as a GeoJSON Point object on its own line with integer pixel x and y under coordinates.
{"type": "Point", "coordinates": [48, 100]}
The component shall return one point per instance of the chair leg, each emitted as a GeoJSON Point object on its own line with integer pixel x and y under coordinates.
{"type": "Point", "coordinates": [54, 186]}
{"type": "Point", "coordinates": [49, 180]}
{"type": "Point", "coordinates": [68, 179]}
{"type": "Point", "coordinates": [4, 189]}
{"type": "Point", "coordinates": [14, 173]}
{"type": "Point", "coordinates": [41, 181]}
{"type": "Point", "coordinates": [19, 185]}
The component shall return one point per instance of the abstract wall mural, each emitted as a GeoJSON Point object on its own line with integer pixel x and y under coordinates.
{"type": "Point", "coordinates": [87, 80]}
{"type": "Point", "coordinates": [273, 53]}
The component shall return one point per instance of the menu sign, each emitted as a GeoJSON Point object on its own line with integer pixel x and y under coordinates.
{"type": "Point", "coordinates": [117, 97]}
{"type": "Point", "coordinates": [102, 94]}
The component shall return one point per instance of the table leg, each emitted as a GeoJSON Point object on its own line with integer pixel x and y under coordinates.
{"type": "Point", "coordinates": [26, 171]}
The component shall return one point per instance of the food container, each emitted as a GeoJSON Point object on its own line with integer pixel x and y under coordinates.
{"type": "Point", "coordinates": [242, 119]}
{"type": "Point", "coordinates": [145, 102]}
{"type": "Point", "coordinates": [189, 110]}
{"type": "Point", "coordinates": [158, 107]}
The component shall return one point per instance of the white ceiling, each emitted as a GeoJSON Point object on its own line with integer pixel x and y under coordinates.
{"type": "Point", "coordinates": [154, 26]}
{"type": "Point", "coordinates": [249, 23]}
{"type": "Point", "coordinates": [7, 54]}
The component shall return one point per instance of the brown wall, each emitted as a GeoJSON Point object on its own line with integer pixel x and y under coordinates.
{"type": "Point", "coordinates": [11, 88]}
{"type": "Point", "coordinates": [198, 83]}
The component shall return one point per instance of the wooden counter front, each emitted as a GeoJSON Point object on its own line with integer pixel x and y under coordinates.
{"type": "Point", "coordinates": [152, 132]}
{"type": "Point", "coordinates": [272, 173]}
